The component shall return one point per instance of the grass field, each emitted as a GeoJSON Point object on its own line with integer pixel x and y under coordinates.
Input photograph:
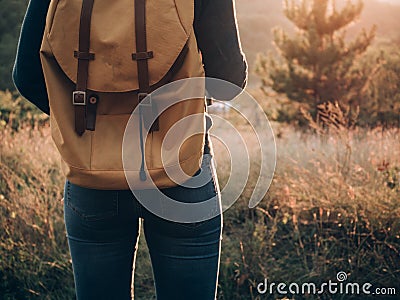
{"type": "Point", "coordinates": [334, 205]}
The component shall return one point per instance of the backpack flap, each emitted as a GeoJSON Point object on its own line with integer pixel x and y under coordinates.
{"type": "Point", "coordinates": [113, 42]}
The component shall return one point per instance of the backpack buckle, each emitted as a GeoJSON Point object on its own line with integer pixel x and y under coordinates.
{"type": "Point", "coordinates": [141, 96]}
{"type": "Point", "coordinates": [79, 98]}
{"type": "Point", "coordinates": [148, 111]}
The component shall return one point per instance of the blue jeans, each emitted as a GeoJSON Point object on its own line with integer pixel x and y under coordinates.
{"type": "Point", "coordinates": [103, 230]}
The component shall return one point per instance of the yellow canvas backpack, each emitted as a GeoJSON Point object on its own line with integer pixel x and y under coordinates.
{"type": "Point", "coordinates": [100, 59]}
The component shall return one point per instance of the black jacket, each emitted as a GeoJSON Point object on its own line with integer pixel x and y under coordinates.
{"type": "Point", "coordinates": [216, 33]}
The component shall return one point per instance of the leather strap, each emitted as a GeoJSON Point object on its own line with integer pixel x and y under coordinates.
{"type": "Point", "coordinates": [84, 56]}
{"type": "Point", "coordinates": [141, 57]}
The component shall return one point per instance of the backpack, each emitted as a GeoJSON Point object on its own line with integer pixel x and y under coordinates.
{"type": "Point", "coordinates": [100, 59]}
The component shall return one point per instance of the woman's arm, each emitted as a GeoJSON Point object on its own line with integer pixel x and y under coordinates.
{"type": "Point", "coordinates": [218, 39]}
{"type": "Point", "coordinates": [27, 73]}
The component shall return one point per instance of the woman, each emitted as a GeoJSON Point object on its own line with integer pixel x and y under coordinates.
{"type": "Point", "coordinates": [103, 225]}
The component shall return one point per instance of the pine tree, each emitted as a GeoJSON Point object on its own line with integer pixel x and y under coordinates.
{"type": "Point", "coordinates": [382, 94]}
{"type": "Point", "coordinates": [316, 64]}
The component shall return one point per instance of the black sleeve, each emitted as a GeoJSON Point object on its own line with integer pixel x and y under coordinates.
{"type": "Point", "coordinates": [218, 40]}
{"type": "Point", "coordinates": [27, 72]}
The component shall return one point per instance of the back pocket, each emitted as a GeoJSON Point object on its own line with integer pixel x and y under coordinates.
{"type": "Point", "coordinates": [91, 204]}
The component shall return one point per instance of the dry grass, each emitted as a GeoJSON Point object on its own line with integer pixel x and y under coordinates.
{"type": "Point", "coordinates": [34, 258]}
{"type": "Point", "coordinates": [333, 206]}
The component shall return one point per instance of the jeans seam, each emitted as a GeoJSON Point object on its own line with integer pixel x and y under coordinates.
{"type": "Point", "coordinates": [212, 169]}
{"type": "Point", "coordinates": [117, 204]}
{"type": "Point", "coordinates": [138, 206]}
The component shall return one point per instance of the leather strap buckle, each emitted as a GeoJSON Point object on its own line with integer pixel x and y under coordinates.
{"type": "Point", "coordinates": [141, 96]}
{"type": "Point", "coordinates": [148, 111]}
{"type": "Point", "coordinates": [84, 55]}
{"type": "Point", "coordinates": [79, 98]}
{"type": "Point", "coordinates": [142, 55]}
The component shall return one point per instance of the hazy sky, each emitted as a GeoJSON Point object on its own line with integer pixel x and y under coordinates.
{"type": "Point", "coordinates": [391, 1]}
